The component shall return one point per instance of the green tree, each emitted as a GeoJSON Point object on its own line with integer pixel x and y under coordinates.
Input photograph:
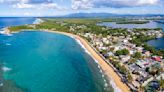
{"type": "Point", "coordinates": [129, 78]}
{"type": "Point", "coordinates": [137, 55]}
{"type": "Point", "coordinates": [122, 52]}
{"type": "Point", "coordinates": [161, 82]}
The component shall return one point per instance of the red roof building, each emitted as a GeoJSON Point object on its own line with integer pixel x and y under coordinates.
{"type": "Point", "coordinates": [157, 58]}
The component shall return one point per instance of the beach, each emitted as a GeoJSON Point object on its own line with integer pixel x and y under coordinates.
{"type": "Point", "coordinates": [108, 70]}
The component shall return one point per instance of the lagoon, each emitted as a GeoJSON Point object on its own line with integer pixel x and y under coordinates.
{"type": "Point", "coordinates": [151, 24]}
{"type": "Point", "coordinates": [157, 43]}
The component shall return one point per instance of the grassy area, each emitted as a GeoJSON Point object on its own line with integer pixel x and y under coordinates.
{"type": "Point", "coordinates": [74, 20]}
{"type": "Point", "coordinates": [18, 28]}
{"type": "Point", "coordinates": [87, 20]}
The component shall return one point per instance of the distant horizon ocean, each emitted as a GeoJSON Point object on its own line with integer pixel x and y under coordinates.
{"type": "Point", "coordinates": [46, 62]}
{"type": "Point", "coordinates": [15, 21]}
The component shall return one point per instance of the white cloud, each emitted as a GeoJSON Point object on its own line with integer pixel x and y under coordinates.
{"type": "Point", "coordinates": [81, 4]}
{"type": "Point", "coordinates": [33, 4]}
{"type": "Point", "coordinates": [23, 5]}
{"type": "Point", "coordinates": [85, 4]}
{"type": "Point", "coordinates": [50, 5]}
{"type": "Point", "coordinates": [147, 2]}
{"type": "Point", "coordinates": [13, 1]}
{"type": "Point", "coordinates": [38, 6]}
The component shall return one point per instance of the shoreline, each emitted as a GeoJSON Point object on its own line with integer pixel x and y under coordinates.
{"type": "Point", "coordinates": [5, 31]}
{"type": "Point", "coordinates": [114, 78]}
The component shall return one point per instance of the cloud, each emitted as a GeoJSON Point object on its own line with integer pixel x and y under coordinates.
{"type": "Point", "coordinates": [39, 1]}
{"type": "Point", "coordinates": [32, 4]}
{"type": "Point", "coordinates": [26, 1]}
{"type": "Point", "coordinates": [124, 3]}
{"type": "Point", "coordinates": [23, 5]}
{"type": "Point", "coordinates": [37, 6]}
{"type": "Point", "coordinates": [85, 4]}
{"type": "Point", "coordinates": [81, 4]}
{"type": "Point", "coordinates": [13, 1]}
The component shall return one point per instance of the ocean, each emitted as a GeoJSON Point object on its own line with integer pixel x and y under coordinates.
{"type": "Point", "coordinates": [35, 61]}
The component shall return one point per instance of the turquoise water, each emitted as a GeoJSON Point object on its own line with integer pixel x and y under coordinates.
{"type": "Point", "coordinates": [47, 62]}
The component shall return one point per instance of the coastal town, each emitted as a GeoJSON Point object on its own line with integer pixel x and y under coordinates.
{"type": "Point", "coordinates": [140, 66]}
{"type": "Point", "coordinates": [137, 66]}
{"type": "Point", "coordinates": [81, 45]}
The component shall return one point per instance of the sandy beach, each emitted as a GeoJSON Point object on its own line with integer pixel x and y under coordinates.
{"type": "Point", "coordinates": [108, 70]}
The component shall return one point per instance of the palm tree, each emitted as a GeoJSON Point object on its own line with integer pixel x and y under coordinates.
{"type": "Point", "coordinates": [141, 88]}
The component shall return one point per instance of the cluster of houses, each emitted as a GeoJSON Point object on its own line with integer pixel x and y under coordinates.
{"type": "Point", "coordinates": [156, 33]}
{"type": "Point", "coordinates": [139, 67]}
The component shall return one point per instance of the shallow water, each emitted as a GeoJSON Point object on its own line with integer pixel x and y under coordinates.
{"type": "Point", "coordinates": [48, 62]}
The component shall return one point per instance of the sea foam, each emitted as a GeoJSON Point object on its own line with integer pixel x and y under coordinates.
{"type": "Point", "coordinates": [3, 31]}
{"type": "Point", "coordinates": [8, 44]}
{"type": "Point", "coordinates": [78, 41]}
{"type": "Point", "coordinates": [1, 84]}
{"type": "Point", "coordinates": [5, 69]}
{"type": "Point", "coordinates": [116, 89]}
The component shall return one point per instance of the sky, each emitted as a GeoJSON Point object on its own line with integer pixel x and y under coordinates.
{"type": "Point", "coordinates": [64, 7]}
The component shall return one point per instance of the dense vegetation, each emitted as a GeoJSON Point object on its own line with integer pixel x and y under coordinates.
{"type": "Point", "coordinates": [122, 69]}
{"type": "Point", "coordinates": [132, 22]}
{"type": "Point", "coordinates": [122, 52]}
{"type": "Point", "coordinates": [140, 40]}
{"type": "Point", "coordinates": [18, 28]}
{"type": "Point", "coordinates": [137, 55]}
{"type": "Point", "coordinates": [145, 29]}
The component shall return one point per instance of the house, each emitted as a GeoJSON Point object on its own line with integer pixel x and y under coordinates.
{"type": "Point", "coordinates": [105, 40]}
{"type": "Point", "coordinates": [143, 73]}
{"type": "Point", "coordinates": [102, 48]}
{"type": "Point", "coordinates": [131, 52]}
{"type": "Point", "coordinates": [124, 58]}
{"type": "Point", "coordinates": [110, 54]}
{"type": "Point", "coordinates": [143, 63]}
{"type": "Point", "coordinates": [156, 58]}
{"type": "Point", "coordinates": [147, 53]}
{"type": "Point", "coordinates": [139, 49]}
{"type": "Point", "coordinates": [134, 67]}
{"type": "Point", "coordinates": [125, 41]}
{"type": "Point", "coordinates": [87, 34]}
{"type": "Point", "coordinates": [116, 48]}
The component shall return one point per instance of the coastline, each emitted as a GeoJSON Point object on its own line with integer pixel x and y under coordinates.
{"type": "Point", "coordinates": [114, 78]}
{"type": "Point", "coordinates": [5, 31]}
{"type": "Point", "coordinates": [108, 70]}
